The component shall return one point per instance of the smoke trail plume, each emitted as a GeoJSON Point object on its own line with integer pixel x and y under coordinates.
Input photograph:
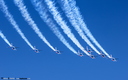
{"type": "Point", "coordinates": [74, 23]}
{"type": "Point", "coordinates": [63, 25]}
{"type": "Point", "coordinates": [44, 16]}
{"type": "Point", "coordinates": [83, 26]}
{"type": "Point", "coordinates": [5, 39]}
{"type": "Point", "coordinates": [27, 17]}
{"type": "Point", "coordinates": [10, 18]}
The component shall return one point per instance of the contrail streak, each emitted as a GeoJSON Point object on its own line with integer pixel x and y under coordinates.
{"type": "Point", "coordinates": [63, 25]}
{"type": "Point", "coordinates": [83, 26]}
{"type": "Point", "coordinates": [44, 16]}
{"type": "Point", "coordinates": [27, 17]}
{"type": "Point", "coordinates": [5, 39]}
{"type": "Point", "coordinates": [10, 18]}
{"type": "Point", "coordinates": [74, 23]}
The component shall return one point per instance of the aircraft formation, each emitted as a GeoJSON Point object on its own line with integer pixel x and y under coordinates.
{"type": "Point", "coordinates": [77, 23]}
{"type": "Point", "coordinates": [90, 51]}
{"type": "Point", "coordinates": [93, 56]}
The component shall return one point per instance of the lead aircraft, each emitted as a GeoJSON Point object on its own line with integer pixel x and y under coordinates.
{"type": "Point", "coordinates": [112, 58]}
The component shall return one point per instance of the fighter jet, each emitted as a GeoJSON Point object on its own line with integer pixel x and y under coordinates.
{"type": "Point", "coordinates": [57, 51]}
{"type": "Point", "coordinates": [13, 47]}
{"type": "Point", "coordinates": [36, 50]}
{"type": "Point", "coordinates": [112, 58]}
{"type": "Point", "coordinates": [89, 50]}
{"type": "Point", "coordinates": [80, 54]}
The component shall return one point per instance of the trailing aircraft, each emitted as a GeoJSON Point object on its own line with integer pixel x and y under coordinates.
{"type": "Point", "coordinates": [91, 56]}
{"type": "Point", "coordinates": [57, 51]}
{"type": "Point", "coordinates": [112, 58]}
{"type": "Point", "coordinates": [36, 50]}
{"type": "Point", "coordinates": [13, 47]}
{"type": "Point", "coordinates": [102, 55]}
{"type": "Point", "coordinates": [80, 54]}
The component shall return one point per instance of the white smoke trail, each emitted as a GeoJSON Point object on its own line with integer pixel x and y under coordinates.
{"type": "Point", "coordinates": [74, 23]}
{"type": "Point", "coordinates": [27, 17]}
{"type": "Point", "coordinates": [63, 25]}
{"type": "Point", "coordinates": [83, 26]}
{"type": "Point", "coordinates": [10, 18]}
{"type": "Point", "coordinates": [5, 39]}
{"type": "Point", "coordinates": [43, 14]}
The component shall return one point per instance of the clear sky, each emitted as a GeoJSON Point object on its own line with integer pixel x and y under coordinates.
{"type": "Point", "coordinates": [107, 21]}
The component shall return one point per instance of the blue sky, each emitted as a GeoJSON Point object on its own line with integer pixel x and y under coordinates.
{"type": "Point", "coordinates": [107, 20]}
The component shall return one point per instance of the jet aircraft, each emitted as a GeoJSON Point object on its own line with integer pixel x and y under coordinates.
{"type": "Point", "coordinates": [57, 51]}
{"type": "Point", "coordinates": [102, 55]}
{"type": "Point", "coordinates": [13, 47]}
{"type": "Point", "coordinates": [36, 50]}
{"type": "Point", "coordinates": [89, 50]}
{"type": "Point", "coordinates": [80, 54]}
{"type": "Point", "coordinates": [91, 56]}
{"type": "Point", "coordinates": [112, 58]}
